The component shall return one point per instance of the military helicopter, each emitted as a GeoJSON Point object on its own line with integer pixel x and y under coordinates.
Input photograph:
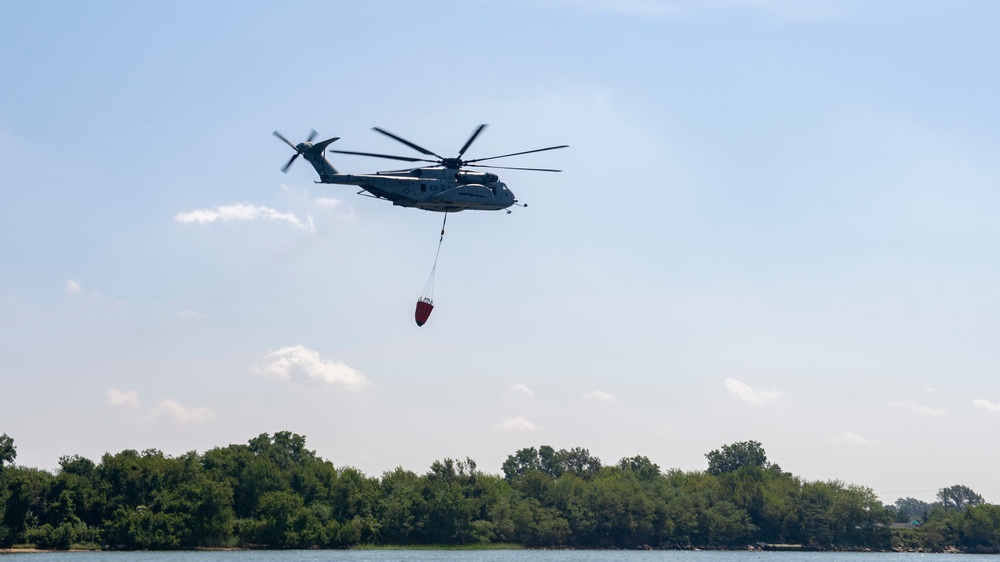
{"type": "Point", "coordinates": [444, 186]}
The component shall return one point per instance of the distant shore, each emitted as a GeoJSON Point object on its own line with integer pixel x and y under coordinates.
{"type": "Point", "coordinates": [507, 546]}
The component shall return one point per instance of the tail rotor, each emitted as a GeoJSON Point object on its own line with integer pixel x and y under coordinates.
{"type": "Point", "coordinates": [299, 149]}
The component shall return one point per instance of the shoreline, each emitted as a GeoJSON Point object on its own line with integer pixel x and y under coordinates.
{"type": "Point", "coordinates": [748, 548]}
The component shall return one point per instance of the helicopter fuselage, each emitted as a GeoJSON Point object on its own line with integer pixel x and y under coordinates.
{"type": "Point", "coordinates": [433, 189]}
{"type": "Point", "coordinates": [436, 188]}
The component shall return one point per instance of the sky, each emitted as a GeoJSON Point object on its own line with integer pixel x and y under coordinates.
{"type": "Point", "coordinates": [776, 222]}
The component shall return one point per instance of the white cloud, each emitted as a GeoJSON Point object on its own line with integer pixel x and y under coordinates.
{"type": "Point", "coordinates": [747, 394]}
{"type": "Point", "coordinates": [120, 398]}
{"type": "Point", "coordinates": [517, 424]}
{"type": "Point", "coordinates": [328, 202]}
{"type": "Point", "coordinates": [299, 364]}
{"type": "Point", "coordinates": [73, 287]}
{"type": "Point", "coordinates": [180, 412]}
{"type": "Point", "coordinates": [850, 438]}
{"type": "Point", "coordinates": [522, 389]}
{"type": "Point", "coordinates": [243, 212]}
{"type": "Point", "coordinates": [599, 395]}
{"type": "Point", "coordinates": [920, 409]}
{"type": "Point", "coordinates": [166, 407]}
{"type": "Point", "coordinates": [987, 405]}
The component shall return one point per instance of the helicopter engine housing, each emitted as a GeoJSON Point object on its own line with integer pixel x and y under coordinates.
{"type": "Point", "coordinates": [476, 177]}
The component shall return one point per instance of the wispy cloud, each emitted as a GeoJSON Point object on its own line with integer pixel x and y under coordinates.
{"type": "Point", "coordinates": [74, 287]}
{"type": "Point", "coordinates": [523, 390]}
{"type": "Point", "coordinates": [599, 395]}
{"type": "Point", "coordinates": [164, 408]}
{"type": "Point", "coordinates": [335, 207]}
{"type": "Point", "coordinates": [516, 424]}
{"type": "Point", "coordinates": [181, 413]}
{"type": "Point", "coordinates": [123, 398]}
{"type": "Point", "coordinates": [920, 409]}
{"type": "Point", "coordinates": [328, 202]}
{"type": "Point", "coordinates": [243, 212]}
{"type": "Point", "coordinates": [744, 392]}
{"type": "Point", "coordinates": [987, 405]}
{"type": "Point", "coordinates": [849, 438]}
{"type": "Point", "coordinates": [299, 364]}
{"type": "Point", "coordinates": [190, 314]}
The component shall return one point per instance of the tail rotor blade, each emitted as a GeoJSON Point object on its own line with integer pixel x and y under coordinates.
{"type": "Point", "coordinates": [292, 159]}
{"type": "Point", "coordinates": [289, 143]}
{"type": "Point", "coordinates": [312, 135]}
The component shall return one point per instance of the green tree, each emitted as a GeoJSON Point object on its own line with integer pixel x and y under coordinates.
{"type": "Point", "coordinates": [578, 461]}
{"type": "Point", "coordinates": [280, 512]}
{"type": "Point", "coordinates": [401, 508]}
{"type": "Point", "coordinates": [8, 452]}
{"type": "Point", "coordinates": [733, 457]}
{"type": "Point", "coordinates": [521, 462]}
{"type": "Point", "coordinates": [981, 528]}
{"type": "Point", "coordinates": [958, 497]}
{"type": "Point", "coordinates": [27, 490]}
{"type": "Point", "coordinates": [908, 509]}
{"type": "Point", "coordinates": [551, 462]}
{"type": "Point", "coordinates": [641, 466]}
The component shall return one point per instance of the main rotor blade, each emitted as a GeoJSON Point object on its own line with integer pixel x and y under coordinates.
{"type": "Point", "coordinates": [277, 134]}
{"type": "Point", "coordinates": [312, 135]}
{"type": "Point", "coordinates": [512, 168]}
{"type": "Point", "coordinates": [472, 138]}
{"type": "Point", "coordinates": [292, 159]}
{"type": "Point", "coordinates": [403, 158]}
{"type": "Point", "coordinates": [404, 170]}
{"type": "Point", "coordinates": [517, 153]}
{"type": "Point", "coordinates": [416, 147]}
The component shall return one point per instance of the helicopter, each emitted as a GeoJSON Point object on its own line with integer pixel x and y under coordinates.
{"type": "Point", "coordinates": [446, 185]}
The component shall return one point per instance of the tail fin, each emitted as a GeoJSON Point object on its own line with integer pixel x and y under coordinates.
{"type": "Point", "coordinates": [314, 154]}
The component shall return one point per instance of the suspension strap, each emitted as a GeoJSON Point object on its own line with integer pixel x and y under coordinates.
{"type": "Point", "coordinates": [429, 287]}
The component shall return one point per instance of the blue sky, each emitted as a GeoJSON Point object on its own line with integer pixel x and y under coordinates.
{"type": "Point", "coordinates": [776, 222]}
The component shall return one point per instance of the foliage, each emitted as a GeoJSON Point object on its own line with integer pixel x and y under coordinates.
{"type": "Point", "coordinates": [907, 510]}
{"type": "Point", "coordinates": [736, 456]}
{"type": "Point", "coordinates": [958, 497]}
{"type": "Point", "coordinates": [274, 492]}
{"type": "Point", "coordinates": [8, 452]}
{"type": "Point", "coordinates": [545, 459]}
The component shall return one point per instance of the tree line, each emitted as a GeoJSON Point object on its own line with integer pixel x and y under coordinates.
{"type": "Point", "coordinates": [275, 493]}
